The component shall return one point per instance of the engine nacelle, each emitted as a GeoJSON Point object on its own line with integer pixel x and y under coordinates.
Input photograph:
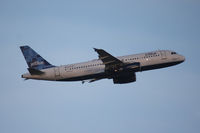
{"type": "Point", "coordinates": [124, 77]}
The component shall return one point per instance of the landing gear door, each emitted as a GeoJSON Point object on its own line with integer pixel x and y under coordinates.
{"type": "Point", "coordinates": [57, 72]}
{"type": "Point", "coordinates": [163, 55]}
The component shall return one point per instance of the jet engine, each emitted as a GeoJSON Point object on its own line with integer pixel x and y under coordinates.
{"type": "Point", "coordinates": [124, 77]}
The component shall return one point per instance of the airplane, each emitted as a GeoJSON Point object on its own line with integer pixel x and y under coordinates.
{"type": "Point", "coordinates": [121, 69]}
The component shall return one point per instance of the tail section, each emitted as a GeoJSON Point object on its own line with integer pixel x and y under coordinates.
{"type": "Point", "coordinates": [33, 59]}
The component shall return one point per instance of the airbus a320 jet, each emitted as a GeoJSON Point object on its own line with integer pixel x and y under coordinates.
{"type": "Point", "coordinates": [121, 69]}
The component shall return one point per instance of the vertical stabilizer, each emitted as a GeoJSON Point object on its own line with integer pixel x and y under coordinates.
{"type": "Point", "coordinates": [33, 59]}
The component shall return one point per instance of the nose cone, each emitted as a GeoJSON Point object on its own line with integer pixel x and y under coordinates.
{"type": "Point", "coordinates": [182, 58]}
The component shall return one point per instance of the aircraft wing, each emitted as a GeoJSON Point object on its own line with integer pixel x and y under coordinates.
{"type": "Point", "coordinates": [107, 59]}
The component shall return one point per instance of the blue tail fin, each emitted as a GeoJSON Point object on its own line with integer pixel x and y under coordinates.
{"type": "Point", "coordinates": [33, 59]}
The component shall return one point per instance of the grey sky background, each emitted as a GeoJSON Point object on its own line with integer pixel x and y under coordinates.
{"type": "Point", "coordinates": [64, 32]}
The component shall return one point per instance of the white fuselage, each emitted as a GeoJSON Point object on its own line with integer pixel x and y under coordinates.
{"type": "Point", "coordinates": [93, 69]}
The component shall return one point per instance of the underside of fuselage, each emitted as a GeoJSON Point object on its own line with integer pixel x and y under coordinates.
{"type": "Point", "coordinates": [85, 77]}
{"type": "Point", "coordinates": [158, 66]}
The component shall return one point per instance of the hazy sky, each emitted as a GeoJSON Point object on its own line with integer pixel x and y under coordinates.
{"type": "Point", "coordinates": [64, 32]}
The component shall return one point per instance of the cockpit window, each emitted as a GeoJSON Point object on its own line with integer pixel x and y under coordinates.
{"type": "Point", "coordinates": [173, 52]}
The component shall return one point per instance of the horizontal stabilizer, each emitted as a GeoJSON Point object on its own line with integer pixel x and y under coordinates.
{"type": "Point", "coordinates": [33, 71]}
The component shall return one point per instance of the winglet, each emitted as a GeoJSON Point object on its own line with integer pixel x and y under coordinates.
{"type": "Point", "coordinates": [95, 49]}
